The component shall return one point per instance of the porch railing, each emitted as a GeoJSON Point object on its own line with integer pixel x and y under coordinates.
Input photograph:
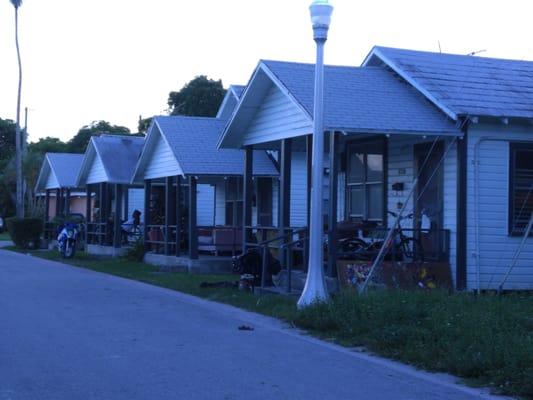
{"type": "Point", "coordinates": [212, 239]}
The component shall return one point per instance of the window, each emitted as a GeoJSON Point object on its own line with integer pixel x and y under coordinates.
{"type": "Point", "coordinates": [365, 181]}
{"type": "Point", "coordinates": [234, 204]}
{"type": "Point", "coordinates": [521, 187]}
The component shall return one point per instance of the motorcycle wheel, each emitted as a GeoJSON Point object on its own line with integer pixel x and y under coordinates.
{"type": "Point", "coordinates": [70, 250]}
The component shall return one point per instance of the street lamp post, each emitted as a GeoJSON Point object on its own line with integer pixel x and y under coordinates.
{"type": "Point", "coordinates": [315, 286]}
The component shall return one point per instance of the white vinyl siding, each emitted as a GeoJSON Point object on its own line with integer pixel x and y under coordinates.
{"type": "Point", "coordinates": [161, 162]}
{"type": "Point", "coordinates": [496, 247]}
{"type": "Point", "coordinates": [96, 173]}
{"type": "Point", "coordinates": [51, 181]}
{"type": "Point", "coordinates": [136, 202]}
{"type": "Point", "coordinates": [299, 189]}
{"type": "Point", "coordinates": [277, 118]}
{"type": "Point", "coordinates": [401, 168]}
{"type": "Point", "coordinates": [205, 212]}
{"type": "Point", "coordinates": [220, 202]}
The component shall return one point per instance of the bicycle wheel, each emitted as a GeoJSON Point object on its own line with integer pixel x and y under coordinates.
{"type": "Point", "coordinates": [409, 250]}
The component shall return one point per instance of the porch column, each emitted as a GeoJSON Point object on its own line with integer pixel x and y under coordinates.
{"type": "Point", "coordinates": [248, 189]}
{"type": "Point", "coordinates": [169, 217]}
{"type": "Point", "coordinates": [461, 263]}
{"type": "Point", "coordinates": [332, 212]}
{"type": "Point", "coordinates": [87, 213]}
{"type": "Point", "coordinates": [178, 216]}
{"type": "Point", "coordinates": [125, 202]}
{"type": "Point", "coordinates": [58, 202]}
{"type": "Point", "coordinates": [67, 202]}
{"type": "Point", "coordinates": [102, 217]}
{"type": "Point", "coordinates": [117, 229]}
{"type": "Point", "coordinates": [193, 231]}
{"type": "Point", "coordinates": [147, 195]}
{"type": "Point", "coordinates": [309, 168]}
{"type": "Point", "coordinates": [285, 192]}
{"type": "Point", "coordinates": [47, 206]}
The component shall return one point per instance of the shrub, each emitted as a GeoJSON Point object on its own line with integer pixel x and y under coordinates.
{"type": "Point", "coordinates": [136, 251]}
{"type": "Point", "coordinates": [25, 232]}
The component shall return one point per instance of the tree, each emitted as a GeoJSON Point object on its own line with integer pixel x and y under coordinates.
{"type": "Point", "coordinates": [48, 145]}
{"type": "Point", "coordinates": [200, 97]}
{"type": "Point", "coordinates": [143, 125]}
{"type": "Point", "coordinates": [80, 141]}
{"type": "Point", "coordinates": [7, 140]}
{"type": "Point", "coordinates": [18, 135]}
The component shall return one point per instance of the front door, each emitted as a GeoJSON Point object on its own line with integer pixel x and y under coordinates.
{"type": "Point", "coordinates": [429, 198]}
{"type": "Point", "coordinates": [429, 193]}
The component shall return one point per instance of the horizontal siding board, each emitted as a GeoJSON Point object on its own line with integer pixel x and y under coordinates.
{"type": "Point", "coordinates": [161, 163]}
{"type": "Point", "coordinates": [96, 173]}
{"type": "Point", "coordinates": [277, 118]}
{"type": "Point", "coordinates": [496, 247]}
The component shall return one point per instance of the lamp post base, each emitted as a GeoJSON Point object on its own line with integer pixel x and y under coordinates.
{"type": "Point", "coordinates": [315, 290]}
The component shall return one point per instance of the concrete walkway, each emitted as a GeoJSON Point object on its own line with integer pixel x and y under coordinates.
{"type": "Point", "coordinates": [69, 333]}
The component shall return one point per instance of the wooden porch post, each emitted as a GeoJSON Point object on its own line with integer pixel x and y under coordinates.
{"type": "Point", "coordinates": [285, 192]}
{"type": "Point", "coordinates": [178, 216]}
{"type": "Point", "coordinates": [248, 189]}
{"type": "Point", "coordinates": [309, 168]}
{"type": "Point", "coordinates": [58, 202]}
{"type": "Point", "coordinates": [87, 213]}
{"type": "Point", "coordinates": [47, 205]}
{"type": "Point", "coordinates": [193, 231]}
{"type": "Point", "coordinates": [67, 202]}
{"type": "Point", "coordinates": [126, 203]}
{"type": "Point", "coordinates": [117, 229]}
{"type": "Point", "coordinates": [168, 213]}
{"type": "Point", "coordinates": [102, 211]}
{"type": "Point", "coordinates": [147, 195]}
{"type": "Point", "coordinates": [461, 228]}
{"type": "Point", "coordinates": [332, 214]}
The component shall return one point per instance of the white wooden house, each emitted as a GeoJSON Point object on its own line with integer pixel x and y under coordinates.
{"type": "Point", "coordinates": [105, 173]}
{"type": "Point", "coordinates": [193, 191]}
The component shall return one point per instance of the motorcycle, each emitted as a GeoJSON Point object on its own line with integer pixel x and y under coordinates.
{"type": "Point", "coordinates": [66, 240]}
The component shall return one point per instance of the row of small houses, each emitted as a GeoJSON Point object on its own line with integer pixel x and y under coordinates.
{"type": "Point", "coordinates": [457, 128]}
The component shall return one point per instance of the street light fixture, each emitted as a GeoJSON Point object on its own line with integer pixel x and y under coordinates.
{"type": "Point", "coordinates": [315, 286]}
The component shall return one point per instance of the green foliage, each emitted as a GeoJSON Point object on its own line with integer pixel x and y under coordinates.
{"type": "Point", "coordinates": [487, 338]}
{"type": "Point", "coordinates": [79, 142]}
{"type": "Point", "coordinates": [143, 125]}
{"type": "Point", "coordinates": [135, 251]}
{"type": "Point", "coordinates": [7, 140]}
{"type": "Point", "coordinates": [25, 232]}
{"type": "Point", "coordinates": [48, 145]}
{"type": "Point", "coordinates": [200, 97]}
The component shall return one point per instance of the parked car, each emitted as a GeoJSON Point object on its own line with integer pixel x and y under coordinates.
{"type": "Point", "coordinates": [2, 225]}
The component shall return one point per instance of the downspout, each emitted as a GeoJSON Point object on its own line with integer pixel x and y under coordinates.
{"type": "Point", "coordinates": [476, 200]}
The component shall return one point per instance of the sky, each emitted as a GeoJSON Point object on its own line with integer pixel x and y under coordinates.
{"type": "Point", "coordinates": [115, 60]}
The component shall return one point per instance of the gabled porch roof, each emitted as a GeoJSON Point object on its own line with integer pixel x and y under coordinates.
{"type": "Point", "coordinates": [230, 101]}
{"type": "Point", "coordinates": [368, 100]}
{"type": "Point", "coordinates": [462, 85]}
{"type": "Point", "coordinates": [59, 171]}
{"type": "Point", "coordinates": [191, 143]}
{"type": "Point", "coordinates": [110, 159]}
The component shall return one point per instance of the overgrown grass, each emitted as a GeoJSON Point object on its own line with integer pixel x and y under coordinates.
{"type": "Point", "coordinates": [487, 339]}
{"type": "Point", "coordinates": [4, 236]}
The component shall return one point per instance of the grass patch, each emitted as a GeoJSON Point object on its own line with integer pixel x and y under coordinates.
{"type": "Point", "coordinates": [487, 339]}
{"type": "Point", "coordinates": [5, 236]}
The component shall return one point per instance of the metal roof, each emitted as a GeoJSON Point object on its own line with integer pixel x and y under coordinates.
{"type": "Point", "coordinates": [193, 142]}
{"type": "Point", "coordinates": [64, 166]}
{"type": "Point", "coordinates": [464, 85]}
{"type": "Point", "coordinates": [119, 155]}
{"type": "Point", "coordinates": [356, 99]}
{"type": "Point", "coordinates": [363, 99]}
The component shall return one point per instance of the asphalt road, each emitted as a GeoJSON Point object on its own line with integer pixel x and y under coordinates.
{"type": "Point", "coordinates": [68, 333]}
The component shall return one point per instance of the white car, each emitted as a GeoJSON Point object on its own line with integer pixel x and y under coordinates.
{"type": "Point", "coordinates": [2, 226]}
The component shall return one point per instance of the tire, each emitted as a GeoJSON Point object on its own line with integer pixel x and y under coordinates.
{"type": "Point", "coordinates": [353, 249]}
{"type": "Point", "coordinates": [70, 249]}
{"type": "Point", "coordinates": [409, 250]}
